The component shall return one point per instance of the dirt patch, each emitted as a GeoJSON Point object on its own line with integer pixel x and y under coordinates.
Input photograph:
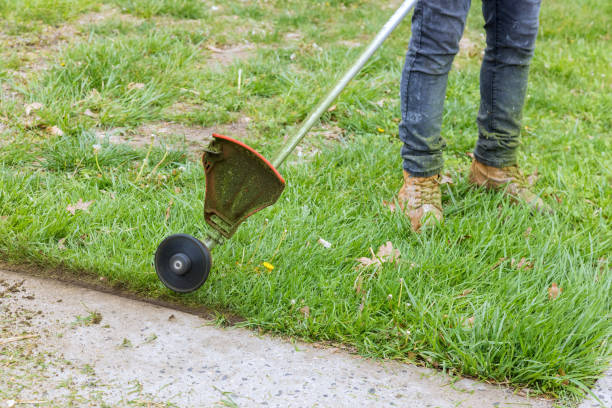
{"type": "Point", "coordinates": [37, 48]}
{"type": "Point", "coordinates": [175, 135]}
{"type": "Point", "coordinates": [230, 54]}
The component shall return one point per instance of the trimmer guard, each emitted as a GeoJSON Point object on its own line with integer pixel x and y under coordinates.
{"type": "Point", "coordinates": [239, 183]}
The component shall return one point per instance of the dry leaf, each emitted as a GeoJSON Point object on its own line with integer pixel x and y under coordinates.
{"type": "Point", "coordinates": [60, 244]}
{"type": "Point", "coordinates": [465, 292]}
{"type": "Point", "coordinates": [80, 205]}
{"type": "Point", "coordinates": [33, 107]}
{"type": "Point", "coordinates": [523, 263]}
{"type": "Point", "coordinates": [386, 253]}
{"type": "Point", "coordinates": [55, 131]}
{"type": "Point", "coordinates": [554, 291]}
{"type": "Point", "coordinates": [469, 322]}
{"type": "Point", "coordinates": [168, 209]}
{"type": "Point", "coordinates": [135, 85]}
{"type": "Point", "coordinates": [305, 310]}
{"type": "Point", "coordinates": [332, 108]}
{"type": "Point", "coordinates": [527, 232]}
{"type": "Point", "coordinates": [324, 243]}
{"type": "Point", "coordinates": [446, 179]}
{"type": "Point", "coordinates": [368, 261]}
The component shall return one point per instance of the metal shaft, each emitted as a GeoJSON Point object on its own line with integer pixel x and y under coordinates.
{"type": "Point", "coordinates": [350, 74]}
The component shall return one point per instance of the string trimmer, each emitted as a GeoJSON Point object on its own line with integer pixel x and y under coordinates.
{"type": "Point", "coordinates": [241, 182]}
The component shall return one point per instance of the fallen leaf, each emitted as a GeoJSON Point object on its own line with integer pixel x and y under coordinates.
{"type": "Point", "coordinates": [554, 291]}
{"type": "Point", "coordinates": [305, 310]}
{"type": "Point", "coordinates": [446, 179]}
{"type": "Point", "coordinates": [386, 253]}
{"type": "Point", "coordinates": [33, 107]}
{"type": "Point", "coordinates": [135, 85]}
{"type": "Point", "coordinates": [168, 209]}
{"type": "Point", "coordinates": [324, 243]}
{"type": "Point", "coordinates": [332, 108]}
{"type": "Point", "coordinates": [368, 261]}
{"type": "Point", "coordinates": [60, 244]}
{"type": "Point", "coordinates": [80, 205]}
{"type": "Point", "coordinates": [523, 263]}
{"type": "Point", "coordinates": [55, 131]}
{"type": "Point", "coordinates": [469, 322]}
{"type": "Point", "coordinates": [527, 232]}
{"type": "Point", "coordinates": [465, 292]}
{"type": "Point", "coordinates": [562, 374]}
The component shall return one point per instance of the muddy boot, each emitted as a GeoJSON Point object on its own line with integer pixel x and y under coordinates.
{"type": "Point", "coordinates": [420, 199]}
{"type": "Point", "coordinates": [510, 180]}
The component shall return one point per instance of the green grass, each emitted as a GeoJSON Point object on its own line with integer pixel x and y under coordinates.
{"type": "Point", "coordinates": [445, 276]}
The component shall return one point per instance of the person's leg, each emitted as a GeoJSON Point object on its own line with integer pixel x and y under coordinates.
{"type": "Point", "coordinates": [437, 27]}
{"type": "Point", "coordinates": [511, 27]}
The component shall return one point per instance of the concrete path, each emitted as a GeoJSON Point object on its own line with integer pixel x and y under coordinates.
{"type": "Point", "coordinates": [603, 391]}
{"type": "Point", "coordinates": [97, 349]}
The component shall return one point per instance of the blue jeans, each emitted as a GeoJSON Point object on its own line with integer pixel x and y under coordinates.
{"type": "Point", "coordinates": [437, 26]}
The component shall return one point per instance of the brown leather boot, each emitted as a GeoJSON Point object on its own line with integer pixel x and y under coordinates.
{"type": "Point", "coordinates": [508, 179]}
{"type": "Point", "coordinates": [421, 200]}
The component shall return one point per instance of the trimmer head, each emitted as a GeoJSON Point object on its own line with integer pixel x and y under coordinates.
{"type": "Point", "coordinates": [239, 183]}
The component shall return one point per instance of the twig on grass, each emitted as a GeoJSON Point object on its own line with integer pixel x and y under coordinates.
{"type": "Point", "coordinates": [145, 161]}
{"type": "Point", "coordinates": [17, 338]}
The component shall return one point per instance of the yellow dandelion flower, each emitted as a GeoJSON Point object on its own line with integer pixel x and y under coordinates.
{"type": "Point", "coordinates": [381, 130]}
{"type": "Point", "coordinates": [268, 266]}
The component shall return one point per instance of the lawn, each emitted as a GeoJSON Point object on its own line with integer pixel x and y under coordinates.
{"type": "Point", "coordinates": [107, 101]}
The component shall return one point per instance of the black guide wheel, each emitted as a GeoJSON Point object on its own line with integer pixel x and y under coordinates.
{"type": "Point", "coordinates": [182, 263]}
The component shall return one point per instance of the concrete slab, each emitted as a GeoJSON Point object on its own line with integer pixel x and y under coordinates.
{"type": "Point", "coordinates": [603, 391]}
{"type": "Point", "coordinates": [99, 349]}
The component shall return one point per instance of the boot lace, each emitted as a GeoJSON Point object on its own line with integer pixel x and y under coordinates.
{"type": "Point", "coordinates": [429, 190]}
